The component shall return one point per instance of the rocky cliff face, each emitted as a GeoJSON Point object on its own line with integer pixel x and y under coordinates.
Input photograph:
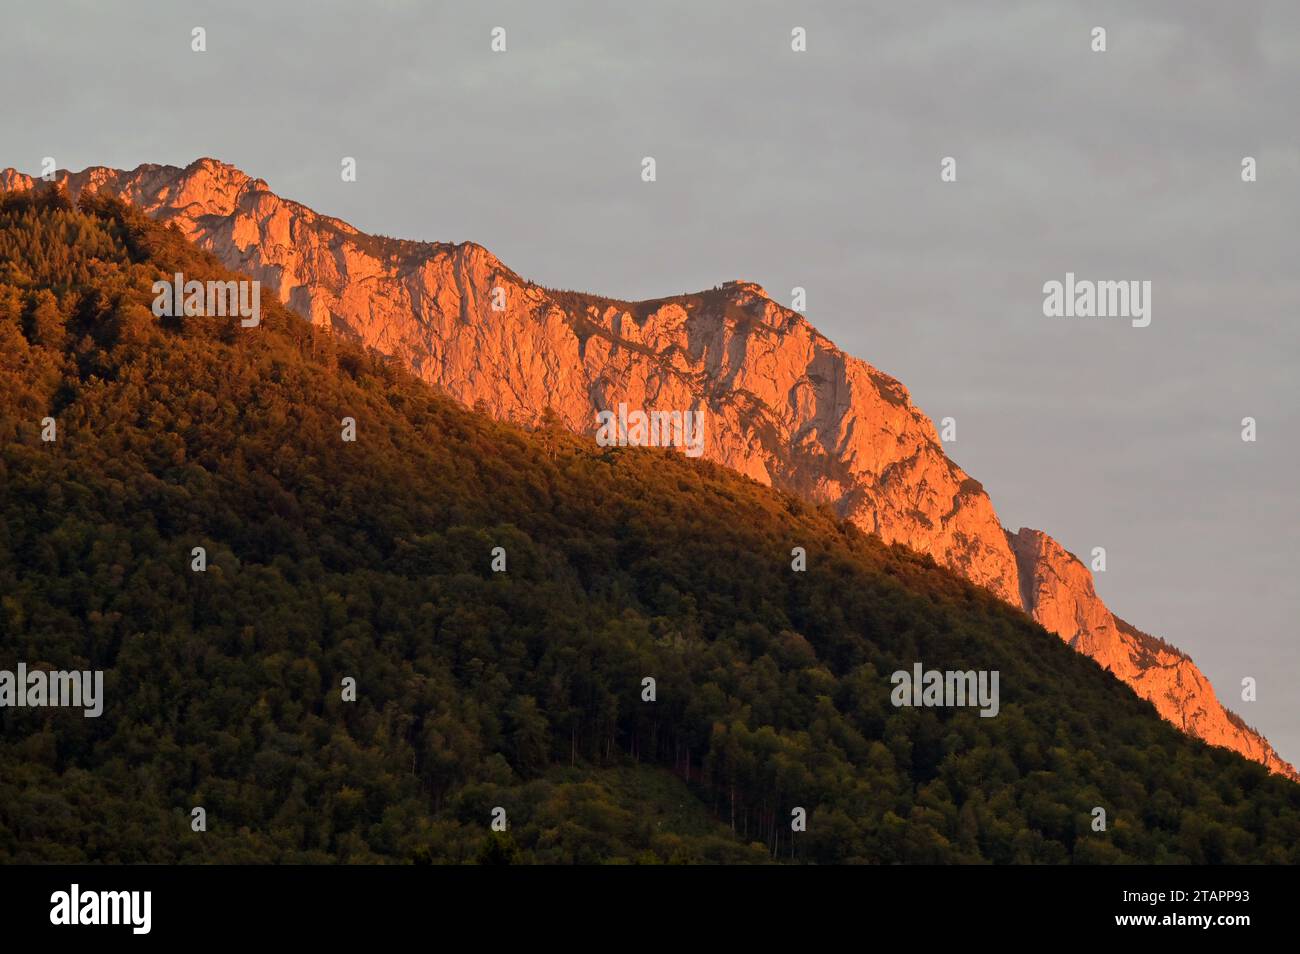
{"type": "Point", "coordinates": [1056, 589]}
{"type": "Point", "coordinates": [782, 404]}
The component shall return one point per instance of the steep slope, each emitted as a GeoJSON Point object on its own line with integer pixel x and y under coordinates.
{"type": "Point", "coordinates": [524, 689]}
{"type": "Point", "coordinates": [784, 405]}
{"type": "Point", "coordinates": [1060, 595]}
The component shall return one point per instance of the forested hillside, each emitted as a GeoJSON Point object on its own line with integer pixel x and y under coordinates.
{"type": "Point", "coordinates": [372, 560]}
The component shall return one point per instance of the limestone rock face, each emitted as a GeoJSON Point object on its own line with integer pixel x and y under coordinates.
{"type": "Point", "coordinates": [1056, 589]}
{"type": "Point", "coordinates": [781, 403]}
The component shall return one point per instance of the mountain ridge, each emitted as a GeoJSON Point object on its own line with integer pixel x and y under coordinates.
{"type": "Point", "coordinates": [369, 565]}
{"type": "Point", "coordinates": [786, 406]}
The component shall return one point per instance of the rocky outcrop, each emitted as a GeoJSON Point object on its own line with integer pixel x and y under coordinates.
{"type": "Point", "coordinates": [1056, 589]}
{"type": "Point", "coordinates": [781, 403]}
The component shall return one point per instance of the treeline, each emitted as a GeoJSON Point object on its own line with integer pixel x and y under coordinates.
{"type": "Point", "coordinates": [523, 690]}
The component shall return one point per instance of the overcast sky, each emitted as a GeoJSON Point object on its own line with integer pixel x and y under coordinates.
{"type": "Point", "coordinates": [821, 169]}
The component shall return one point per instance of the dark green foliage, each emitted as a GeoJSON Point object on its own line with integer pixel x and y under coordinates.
{"type": "Point", "coordinates": [477, 689]}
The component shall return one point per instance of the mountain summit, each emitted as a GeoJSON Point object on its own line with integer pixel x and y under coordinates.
{"type": "Point", "coordinates": [785, 406]}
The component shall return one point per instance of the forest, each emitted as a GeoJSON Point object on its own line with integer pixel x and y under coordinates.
{"type": "Point", "coordinates": [372, 560]}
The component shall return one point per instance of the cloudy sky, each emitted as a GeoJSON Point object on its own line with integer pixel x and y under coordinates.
{"type": "Point", "coordinates": [821, 169]}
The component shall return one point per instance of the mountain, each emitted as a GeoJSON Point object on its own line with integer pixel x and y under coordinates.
{"type": "Point", "coordinates": [784, 405]}
{"type": "Point", "coordinates": [522, 690]}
